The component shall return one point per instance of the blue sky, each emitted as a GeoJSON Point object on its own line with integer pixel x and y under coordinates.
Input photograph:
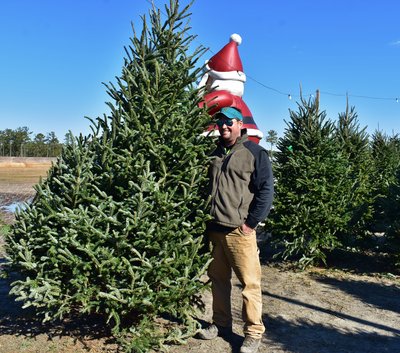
{"type": "Point", "coordinates": [56, 54]}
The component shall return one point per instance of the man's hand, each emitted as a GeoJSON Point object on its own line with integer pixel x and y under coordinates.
{"type": "Point", "coordinates": [246, 229]}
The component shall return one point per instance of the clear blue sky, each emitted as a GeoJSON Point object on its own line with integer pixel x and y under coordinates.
{"type": "Point", "coordinates": [55, 54]}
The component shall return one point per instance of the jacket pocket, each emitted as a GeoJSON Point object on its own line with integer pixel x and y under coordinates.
{"type": "Point", "coordinates": [243, 234]}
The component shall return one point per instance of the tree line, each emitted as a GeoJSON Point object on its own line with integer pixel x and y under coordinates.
{"type": "Point", "coordinates": [337, 187]}
{"type": "Point", "coordinates": [21, 142]}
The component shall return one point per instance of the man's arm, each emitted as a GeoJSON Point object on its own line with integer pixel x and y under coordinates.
{"type": "Point", "coordinates": [263, 188]}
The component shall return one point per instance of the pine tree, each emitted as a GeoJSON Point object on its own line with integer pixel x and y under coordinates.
{"type": "Point", "coordinates": [391, 211]}
{"type": "Point", "coordinates": [386, 162]}
{"type": "Point", "coordinates": [355, 145]}
{"type": "Point", "coordinates": [116, 228]}
{"type": "Point", "coordinates": [272, 139]}
{"type": "Point", "coordinates": [312, 187]}
{"type": "Point", "coordinates": [386, 189]}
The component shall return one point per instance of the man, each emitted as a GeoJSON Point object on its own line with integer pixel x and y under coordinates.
{"type": "Point", "coordinates": [241, 197]}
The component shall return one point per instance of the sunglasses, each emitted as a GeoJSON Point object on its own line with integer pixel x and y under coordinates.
{"type": "Point", "coordinates": [222, 122]}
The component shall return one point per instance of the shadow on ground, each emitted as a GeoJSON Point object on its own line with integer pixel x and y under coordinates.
{"type": "Point", "coordinates": [302, 336]}
{"type": "Point", "coordinates": [386, 297]}
{"type": "Point", "coordinates": [336, 314]}
{"type": "Point", "coordinates": [234, 340]}
{"type": "Point", "coordinates": [363, 262]}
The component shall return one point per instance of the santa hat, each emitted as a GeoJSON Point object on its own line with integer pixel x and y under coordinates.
{"type": "Point", "coordinates": [227, 59]}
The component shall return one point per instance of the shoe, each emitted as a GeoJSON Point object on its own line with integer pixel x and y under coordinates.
{"type": "Point", "coordinates": [213, 331]}
{"type": "Point", "coordinates": [250, 345]}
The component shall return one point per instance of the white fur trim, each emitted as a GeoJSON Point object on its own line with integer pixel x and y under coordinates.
{"type": "Point", "coordinates": [203, 81]}
{"type": "Point", "coordinates": [236, 38]}
{"type": "Point", "coordinates": [234, 87]}
{"type": "Point", "coordinates": [254, 132]}
{"type": "Point", "coordinates": [228, 75]}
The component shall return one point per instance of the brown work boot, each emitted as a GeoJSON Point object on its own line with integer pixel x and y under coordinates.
{"type": "Point", "coordinates": [213, 331]}
{"type": "Point", "coordinates": [250, 344]}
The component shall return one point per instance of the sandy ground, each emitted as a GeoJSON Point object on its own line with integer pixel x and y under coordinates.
{"type": "Point", "coordinates": [354, 306]}
{"type": "Point", "coordinates": [318, 311]}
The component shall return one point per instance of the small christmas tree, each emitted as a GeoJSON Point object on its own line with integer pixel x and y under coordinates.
{"type": "Point", "coordinates": [354, 143]}
{"type": "Point", "coordinates": [117, 226]}
{"type": "Point", "coordinates": [312, 187]}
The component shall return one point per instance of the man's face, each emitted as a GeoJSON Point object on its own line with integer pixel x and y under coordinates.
{"type": "Point", "coordinates": [229, 133]}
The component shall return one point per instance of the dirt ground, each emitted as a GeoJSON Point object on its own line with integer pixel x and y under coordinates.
{"type": "Point", "coordinates": [354, 306]}
{"type": "Point", "coordinates": [318, 312]}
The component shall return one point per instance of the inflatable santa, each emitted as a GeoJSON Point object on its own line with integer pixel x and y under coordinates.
{"type": "Point", "coordinates": [223, 86]}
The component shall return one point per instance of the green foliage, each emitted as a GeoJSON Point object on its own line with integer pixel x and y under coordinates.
{"type": "Point", "coordinates": [390, 206]}
{"type": "Point", "coordinates": [354, 144]}
{"type": "Point", "coordinates": [386, 161]}
{"type": "Point", "coordinates": [272, 139]}
{"type": "Point", "coordinates": [312, 189]}
{"type": "Point", "coordinates": [4, 228]}
{"type": "Point", "coordinates": [117, 227]}
{"type": "Point", "coordinates": [333, 186]}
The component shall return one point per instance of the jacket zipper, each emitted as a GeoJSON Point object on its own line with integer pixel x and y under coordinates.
{"type": "Point", "coordinates": [214, 194]}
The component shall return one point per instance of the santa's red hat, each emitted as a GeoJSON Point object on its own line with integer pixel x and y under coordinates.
{"type": "Point", "coordinates": [227, 59]}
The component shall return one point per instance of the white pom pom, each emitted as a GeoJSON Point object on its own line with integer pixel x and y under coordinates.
{"type": "Point", "coordinates": [236, 38]}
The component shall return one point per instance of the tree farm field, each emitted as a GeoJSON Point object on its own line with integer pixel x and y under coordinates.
{"type": "Point", "coordinates": [353, 305]}
{"type": "Point", "coordinates": [17, 177]}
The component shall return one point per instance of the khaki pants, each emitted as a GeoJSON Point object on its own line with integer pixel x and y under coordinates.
{"type": "Point", "coordinates": [236, 251]}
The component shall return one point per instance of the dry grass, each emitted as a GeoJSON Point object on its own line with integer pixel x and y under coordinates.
{"type": "Point", "coordinates": [17, 178]}
{"type": "Point", "coordinates": [25, 172]}
{"type": "Point", "coordinates": [29, 174]}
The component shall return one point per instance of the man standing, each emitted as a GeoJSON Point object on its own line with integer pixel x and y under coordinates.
{"type": "Point", "coordinates": [241, 197]}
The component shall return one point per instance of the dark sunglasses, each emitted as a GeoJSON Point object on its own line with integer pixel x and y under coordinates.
{"type": "Point", "coordinates": [222, 122]}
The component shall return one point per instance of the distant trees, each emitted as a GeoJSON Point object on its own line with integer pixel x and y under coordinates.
{"type": "Point", "coordinates": [18, 143]}
{"type": "Point", "coordinates": [272, 139]}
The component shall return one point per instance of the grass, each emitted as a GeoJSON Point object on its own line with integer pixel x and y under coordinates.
{"type": "Point", "coordinates": [23, 175]}
{"type": "Point", "coordinates": [4, 229]}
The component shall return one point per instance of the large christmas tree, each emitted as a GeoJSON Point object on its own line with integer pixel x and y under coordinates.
{"type": "Point", "coordinates": [117, 225]}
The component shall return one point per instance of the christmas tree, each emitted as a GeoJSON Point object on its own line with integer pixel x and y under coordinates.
{"type": "Point", "coordinates": [386, 190]}
{"type": "Point", "coordinates": [116, 228]}
{"type": "Point", "coordinates": [354, 143]}
{"type": "Point", "coordinates": [312, 187]}
{"type": "Point", "coordinates": [386, 161]}
{"type": "Point", "coordinates": [391, 210]}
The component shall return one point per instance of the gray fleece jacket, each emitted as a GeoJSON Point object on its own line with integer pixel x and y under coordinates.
{"type": "Point", "coordinates": [241, 184]}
